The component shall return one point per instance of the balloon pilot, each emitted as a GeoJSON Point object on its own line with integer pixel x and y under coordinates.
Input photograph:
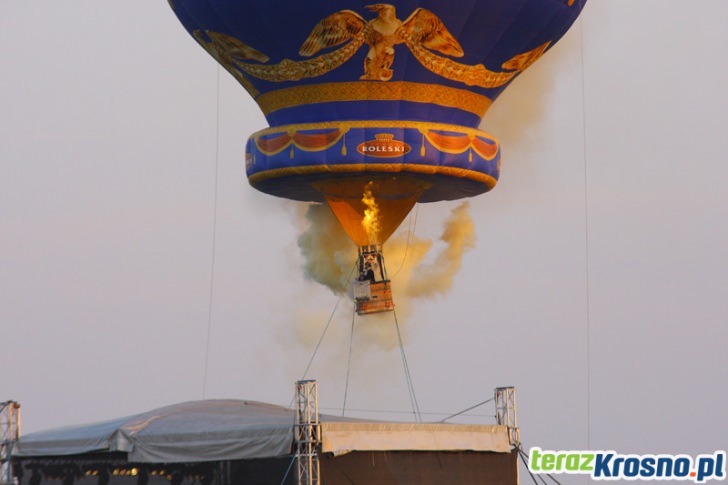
{"type": "Point", "coordinates": [372, 289]}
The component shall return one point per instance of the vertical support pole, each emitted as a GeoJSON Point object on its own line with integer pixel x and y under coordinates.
{"type": "Point", "coordinates": [307, 432]}
{"type": "Point", "coordinates": [505, 412]}
{"type": "Point", "coordinates": [9, 434]}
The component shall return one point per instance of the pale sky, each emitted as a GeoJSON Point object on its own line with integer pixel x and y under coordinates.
{"type": "Point", "coordinates": [598, 286]}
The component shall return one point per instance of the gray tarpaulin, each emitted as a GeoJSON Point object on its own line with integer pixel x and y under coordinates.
{"type": "Point", "coordinates": [193, 431]}
{"type": "Point", "coordinates": [215, 430]}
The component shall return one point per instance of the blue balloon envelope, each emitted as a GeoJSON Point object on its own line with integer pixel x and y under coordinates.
{"type": "Point", "coordinates": [375, 104]}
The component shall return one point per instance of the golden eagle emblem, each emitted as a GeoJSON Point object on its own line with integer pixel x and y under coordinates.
{"type": "Point", "coordinates": [422, 32]}
{"type": "Point", "coordinates": [422, 28]}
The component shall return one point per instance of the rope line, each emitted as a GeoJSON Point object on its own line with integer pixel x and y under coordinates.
{"type": "Point", "coordinates": [393, 411]}
{"type": "Point", "coordinates": [586, 242]}
{"type": "Point", "coordinates": [527, 469]}
{"type": "Point", "coordinates": [321, 339]}
{"type": "Point", "coordinates": [288, 470]}
{"type": "Point", "coordinates": [468, 409]}
{"type": "Point", "coordinates": [214, 240]}
{"type": "Point", "coordinates": [408, 375]}
{"type": "Point", "coordinates": [410, 235]}
{"type": "Point", "coordinates": [348, 364]}
{"type": "Point", "coordinates": [524, 456]}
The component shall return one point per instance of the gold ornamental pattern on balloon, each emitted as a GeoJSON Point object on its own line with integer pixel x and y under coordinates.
{"type": "Point", "coordinates": [423, 33]}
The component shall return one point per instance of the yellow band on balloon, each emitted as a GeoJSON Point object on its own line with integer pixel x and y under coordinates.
{"type": "Point", "coordinates": [374, 167]}
{"type": "Point", "coordinates": [345, 126]}
{"type": "Point", "coordinates": [374, 91]}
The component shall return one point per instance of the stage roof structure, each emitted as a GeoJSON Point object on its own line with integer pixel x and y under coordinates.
{"type": "Point", "coordinates": [216, 430]}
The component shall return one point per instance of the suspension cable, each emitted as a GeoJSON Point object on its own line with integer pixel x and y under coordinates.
{"type": "Point", "coordinates": [524, 456]}
{"type": "Point", "coordinates": [410, 234]}
{"type": "Point", "coordinates": [408, 375]}
{"type": "Point", "coordinates": [468, 409]}
{"type": "Point", "coordinates": [528, 470]}
{"type": "Point", "coordinates": [321, 338]}
{"type": "Point", "coordinates": [211, 294]}
{"type": "Point", "coordinates": [586, 238]}
{"type": "Point", "coordinates": [288, 470]}
{"type": "Point", "coordinates": [326, 328]}
{"type": "Point", "coordinates": [348, 364]}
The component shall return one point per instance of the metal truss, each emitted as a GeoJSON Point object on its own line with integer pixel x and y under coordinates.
{"type": "Point", "coordinates": [308, 432]}
{"type": "Point", "coordinates": [9, 434]}
{"type": "Point", "coordinates": [505, 412]}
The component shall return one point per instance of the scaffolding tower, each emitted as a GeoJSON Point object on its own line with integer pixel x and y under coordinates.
{"type": "Point", "coordinates": [308, 432]}
{"type": "Point", "coordinates": [9, 434]}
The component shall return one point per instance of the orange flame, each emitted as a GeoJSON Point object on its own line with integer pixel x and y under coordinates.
{"type": "Point", "coordinates": [370, 222]}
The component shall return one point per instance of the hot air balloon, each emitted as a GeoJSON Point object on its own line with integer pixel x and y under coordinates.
{"type": "Point", "coordinates": [374, 107]}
